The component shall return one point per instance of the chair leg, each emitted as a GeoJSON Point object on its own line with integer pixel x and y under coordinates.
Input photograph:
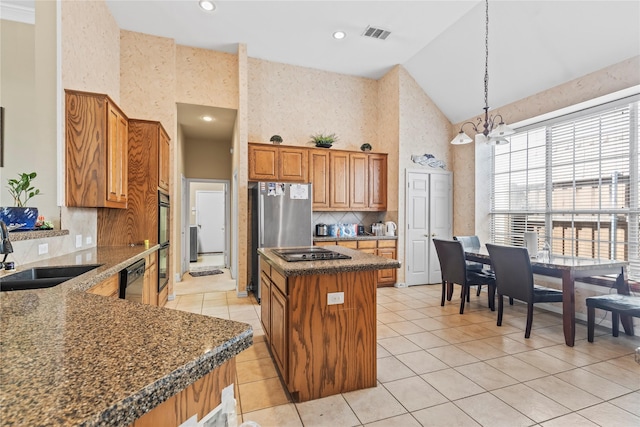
{"type": "Point", "coordinates": [510, 301]}
{"type": "Point", "coordinates": [468, 293]}
{"type": "Point", "coordinates": [615, 323]}
{"type": "Point", "coordinates": [444, 291]}
{"type": "Point", "coordinates": [465, 295]}
{"type": "Point", "coordinates": [491, 292]}
{"type": "Point", "coordinates": [478, 292]}
{"type": "Point", "coordinates": [500, 306]}
{"type": "Point", "coordinates": [449, 291]}
{"type": "Point", "coordinates": [527, 332]}
{"type": "Point", "coordinates": [591, 322]}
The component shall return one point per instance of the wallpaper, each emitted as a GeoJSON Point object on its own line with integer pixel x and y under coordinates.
{"type": "Point", "coordinates": [296, 102]}
{"type": "Point", "coordinates": [206, 77]}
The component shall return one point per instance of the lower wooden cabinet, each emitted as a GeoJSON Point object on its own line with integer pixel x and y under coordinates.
{"type": "Point", "coordinates": [278, 337]}
{"type": "Point", "coordinates": [265, 304]}
{"type": "Point", "coordinates": [109, 287]}
{"type": "Point", "coordinates": [150, 287]}
{"type": "Point", "coordinates": [198, 399]}
{"type": "Point", "coordinates": [386, 248]}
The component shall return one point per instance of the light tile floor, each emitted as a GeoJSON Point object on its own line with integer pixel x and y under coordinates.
{"type": "Point", "coordinates": [439, 368]}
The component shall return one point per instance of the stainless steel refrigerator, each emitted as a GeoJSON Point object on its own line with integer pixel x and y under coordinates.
{"type": "Point", "coordinates": [280, 218]}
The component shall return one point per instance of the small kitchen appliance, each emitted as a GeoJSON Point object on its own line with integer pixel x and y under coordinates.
{"type": "Point", "coordinates": [391, 228]}
{"type": "Point", "coordinates": [322, 230]}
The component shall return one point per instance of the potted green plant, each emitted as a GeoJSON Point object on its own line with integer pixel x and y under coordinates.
{"type": "Point", "coordinates": [276, 139]}
{"type": "Point", "coordinates": [324, 141]}
{"type": "Point", "coordinates": [365, 147]}
{"type": "Point", "coordinates": [22, 191]}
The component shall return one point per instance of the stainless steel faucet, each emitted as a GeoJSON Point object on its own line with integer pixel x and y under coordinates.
{"type": "Point", "coordinates": [5, 244]}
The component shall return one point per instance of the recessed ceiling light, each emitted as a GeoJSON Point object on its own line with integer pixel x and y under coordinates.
{"type": "Point", "coordinates": [339, 35]}
{"type": "Point", "coordinates": [207, 5]}
{"type": "Point", "coordinates": [207, 118]}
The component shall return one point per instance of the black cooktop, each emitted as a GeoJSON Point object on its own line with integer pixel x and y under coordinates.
{"type": "Point", "coordinates": [308, 254]}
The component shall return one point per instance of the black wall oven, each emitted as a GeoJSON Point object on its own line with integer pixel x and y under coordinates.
{"type": "Point", "coordinates": [163, 240]}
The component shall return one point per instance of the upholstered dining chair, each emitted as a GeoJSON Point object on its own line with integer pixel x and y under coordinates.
{"type": "Point", "coordinates": [453, 267]}
{"type": "Point", "coordinates": [514, 278]}
{"type": "Point", "coordinates": [471, 242]}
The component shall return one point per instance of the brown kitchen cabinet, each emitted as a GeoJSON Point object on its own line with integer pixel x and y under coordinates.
{"type": "Point", "coordinates": [387, 249]}
{"type": "Point", "coordinates": [109, 287]}
{"type": "Point", "coordinates": [359, 179]}
{"type": "Point", "coordinates": [164, 175]}
{"type": "Point", "coordinates": [96, 151]}
{"type": "Point", "coordinates": [139, 222]}
{"type": "Point", "coordinates": [319, 177]}
{"type": "Point", "coordinates": [278, 163]}
{"type": "Point", "coordinates": [377, 181]}
{"type": "Point", "coordinates": [150, 287]}
{"type": "Point", "coordinates": [339, 180]}
{"type": "Point", "coordinates": [347, 181]}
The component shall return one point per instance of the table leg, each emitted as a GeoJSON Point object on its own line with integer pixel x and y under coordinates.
{"type": "Point", "coordinates": [568, 307]}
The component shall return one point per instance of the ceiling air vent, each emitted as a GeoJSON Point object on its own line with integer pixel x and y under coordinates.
{"type": "Point", "coordinates": [376, 33]}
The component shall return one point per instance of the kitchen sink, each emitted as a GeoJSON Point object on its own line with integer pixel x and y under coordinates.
{"type": "Point", "coordinates": [43, 277]}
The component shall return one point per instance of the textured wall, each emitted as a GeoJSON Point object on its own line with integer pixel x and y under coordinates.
{"type": "Point", "coordinates": [296, 102]}
{"type": "Point", "coordinates": [241, 167]}
{"type": "Point", "coordinates": [423, 130]}
{"type": "Point", "coordinates": [90, 48]}
{"type": "Point", "coordinates": [469, 216]}
{"type": "Point", "coordinates": [206, 77]}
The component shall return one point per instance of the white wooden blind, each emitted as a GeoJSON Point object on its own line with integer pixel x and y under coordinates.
{"type": "Point", "coordinates": [574, 180]}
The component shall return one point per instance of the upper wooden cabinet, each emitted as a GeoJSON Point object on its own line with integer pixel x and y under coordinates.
{"type": "Point", "coordinates": [319, 177]}
{"type": "Point", "coordinates": [163, 169]}
{"type": "Point", "coordinates": [139, 222]}
{"type": "Point", "coordinates": [96, 151]}
{"type": "Point", "coordinates": [356, 181]}
{"type": "Point", "coordinates": [278, 163]}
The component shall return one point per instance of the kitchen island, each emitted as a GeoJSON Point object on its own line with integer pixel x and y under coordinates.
{"type": "Point", "coordinates": [69, 357]}
{"type": "Point", "coordinates": [319, 319]}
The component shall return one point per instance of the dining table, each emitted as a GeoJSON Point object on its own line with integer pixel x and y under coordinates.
{"type": "Point", "coordinates": [569, 269]}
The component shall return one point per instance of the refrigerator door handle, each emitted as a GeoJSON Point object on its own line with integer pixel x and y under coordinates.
{"type": "Point", "coordinates": [261, 220]}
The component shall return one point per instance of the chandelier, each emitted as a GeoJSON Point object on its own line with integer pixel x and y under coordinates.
{"type": "Point", "coordinates": [486, 129]}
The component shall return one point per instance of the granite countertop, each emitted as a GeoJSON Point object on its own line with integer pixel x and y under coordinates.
{"type": "Point", "coordinates": [359, 261]}
{"type": "Point", "coordinates": [69, 357]}
{"type": "Point", "coordinates": [365, 237]}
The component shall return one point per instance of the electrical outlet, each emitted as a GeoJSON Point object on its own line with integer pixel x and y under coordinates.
{"type": "Point", "coordinates": [88, 240]}
{"type": "Point", "coordinates": [78, 240]}
{"type": "Point", "coordinates": [335, 298]}
{"type": "Point", "coordinates": [43, 248]}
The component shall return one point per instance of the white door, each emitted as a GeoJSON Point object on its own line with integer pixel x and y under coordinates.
{"type": "Point", "coordinates": [210, 219]}
{"type": "Point", "coordinates": [440, 219]}
{"type": "Point", "coordinates": [428, 210]}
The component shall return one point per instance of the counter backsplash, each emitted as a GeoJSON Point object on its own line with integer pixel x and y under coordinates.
{"type": "Point", "coordinates": [362, 218]}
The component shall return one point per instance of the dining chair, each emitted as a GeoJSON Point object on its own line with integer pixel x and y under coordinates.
{"type": "Point", "coordinates": [453, 267]}
{"type": "Point", "coordinates": [471, 242]}
{"type": "Point", "coordinates": [514, 278]}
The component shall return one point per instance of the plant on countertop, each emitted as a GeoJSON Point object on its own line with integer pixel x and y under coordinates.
{"type": "Point", "coordinates": [21, 189]}
{"type": "Point", "coordinates": [322, 140]}
{"type": "Point", "coordinates": [276, 139]}
{"type": "Point", "coordinates": [365, 147]}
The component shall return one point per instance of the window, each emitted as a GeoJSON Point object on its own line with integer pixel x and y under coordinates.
{"type": "Point", "coordinates": [574, 180]}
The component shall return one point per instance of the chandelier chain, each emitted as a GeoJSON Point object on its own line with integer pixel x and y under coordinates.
{"type": "Point", "coordinates": [486, 56]}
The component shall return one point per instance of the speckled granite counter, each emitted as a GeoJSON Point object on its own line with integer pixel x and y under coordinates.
{"type": "Point", "coordinates": [73, 358]}
{"type": "Point", "coordinates": [339, 239]}
{"type": "Point", "coordinates": [359, 261]}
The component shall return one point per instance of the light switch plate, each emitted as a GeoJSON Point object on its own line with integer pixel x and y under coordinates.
{"type": "Point", "coordinates": [78, 240]}
{"type": "Point", "coordinates": [43, 248]}
{"type": "Point", "coordinates": [88, 240]}
{"type": "Point", "coordinates": [335, 298]}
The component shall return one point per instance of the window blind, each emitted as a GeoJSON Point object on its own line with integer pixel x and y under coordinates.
{"type": "Point", "coordinates": [574, 180]}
